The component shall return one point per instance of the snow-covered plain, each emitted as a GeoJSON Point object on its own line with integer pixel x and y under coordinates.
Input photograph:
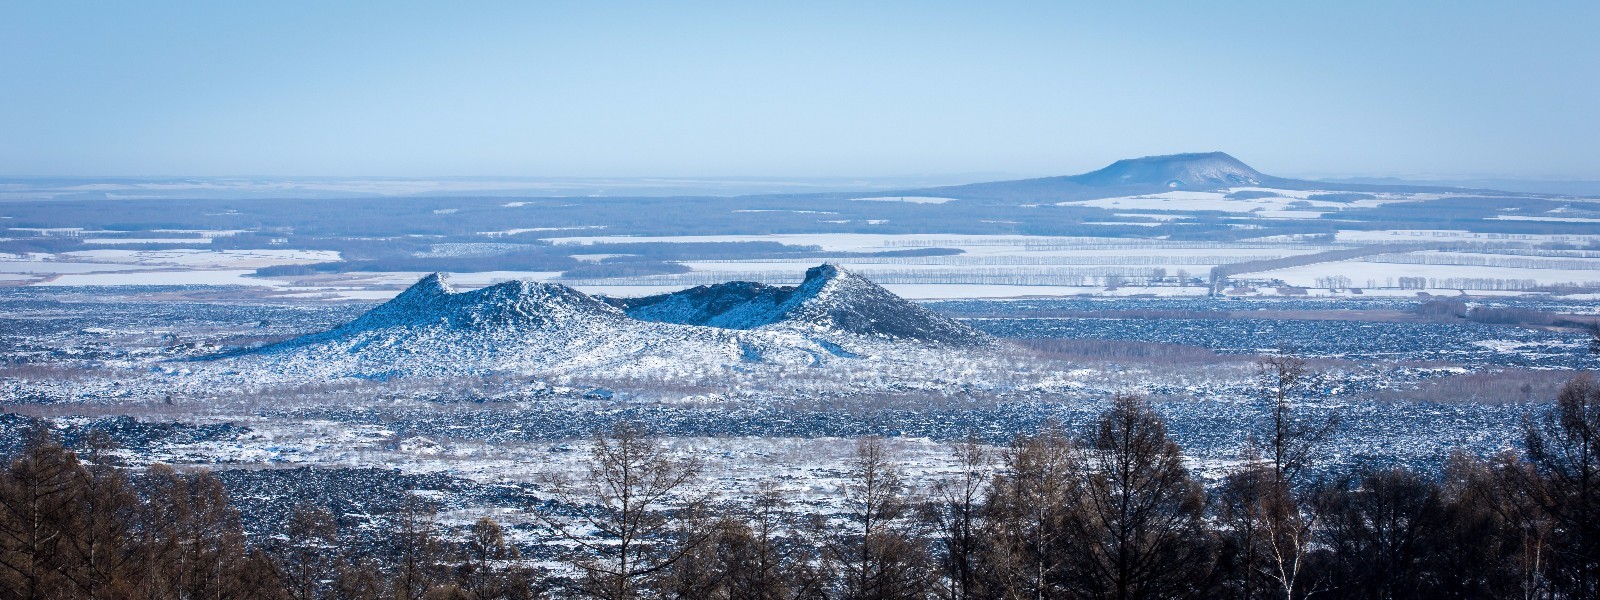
{"type": "Point", "coordinates": [53, 267]}
{"type": "Point", "coordinates": [984, 267]}
{"type": "Point", "coordinates": [923, 265]}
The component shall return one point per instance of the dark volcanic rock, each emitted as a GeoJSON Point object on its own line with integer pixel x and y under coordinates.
{"type": "Point", "coordinates": [830, 298]}
{"type": "Point", "coordinates": [729, 305]}
{"type": "Point", "coordinates": [528, 303]}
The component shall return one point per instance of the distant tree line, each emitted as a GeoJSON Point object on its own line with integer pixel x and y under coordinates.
{"type": "Point", "coordinates": [1482, 260]}
{"type": "Point", "coordinates": [1107, 511]}
{"type": "Point", "coordinates": [1480, 283]}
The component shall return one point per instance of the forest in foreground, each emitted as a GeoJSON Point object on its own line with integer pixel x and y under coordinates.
{"type": "Point", "coordinates": [1107, 511]}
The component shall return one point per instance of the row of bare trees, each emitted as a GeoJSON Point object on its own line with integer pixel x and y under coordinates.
{"type": "Point", "coordinates": [72, 528]}
{"type": "Point", "coordinates": [1108, 510]}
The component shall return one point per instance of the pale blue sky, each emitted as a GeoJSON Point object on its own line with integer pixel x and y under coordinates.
{"type": "Point", "coordinates": [795, 89]}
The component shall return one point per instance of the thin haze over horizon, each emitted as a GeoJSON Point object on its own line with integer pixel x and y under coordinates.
{"type": "Point", "coordinates": [1419, 89]}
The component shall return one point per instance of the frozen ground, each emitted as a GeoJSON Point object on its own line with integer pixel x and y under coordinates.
{"type": "Point", "coordinates": [1405, 391]}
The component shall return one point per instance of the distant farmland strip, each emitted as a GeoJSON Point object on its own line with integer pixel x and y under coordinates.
{"type": "Point", "coordinates": [1221, 273]}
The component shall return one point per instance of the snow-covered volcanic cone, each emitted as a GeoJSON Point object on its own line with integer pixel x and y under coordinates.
{"type": "Point", "coordinates": [526, 328]}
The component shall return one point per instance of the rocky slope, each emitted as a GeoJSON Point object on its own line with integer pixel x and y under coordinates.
{"type": "Point", "coordinates": [830, 300]}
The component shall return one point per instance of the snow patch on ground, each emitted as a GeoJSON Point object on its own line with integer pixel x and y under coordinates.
{"type": "Point", "coordinates": [910, 199]}
{"type": "Point", "coordinates": [507, 232]}
{"type": "Point", "coordinates": [1553, 219]}
{"type": "Point", "coordinates": [779, 210]}
{"type": "Point", "coordinates": [205, 258]}
{"type": "Point", "coordinates": [226, 277]}
{"type": "Point", "coordinates": [120, 241]}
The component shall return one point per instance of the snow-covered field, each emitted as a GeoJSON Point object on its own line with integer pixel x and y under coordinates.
{"type": "Point", "coordinates": [1158, 244]}
{"type": "Point", "coordinates": [996, 266]}
{"type": "Point", "coordinates": [42, 267]}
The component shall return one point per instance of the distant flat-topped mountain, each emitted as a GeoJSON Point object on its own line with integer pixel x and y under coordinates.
{"type": "Point", "coordinates": [522, 327]}
{"type": "Point", "coordinates": [1198, 171]}
{"type": "Point", "coordinates": [1206, 170]}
